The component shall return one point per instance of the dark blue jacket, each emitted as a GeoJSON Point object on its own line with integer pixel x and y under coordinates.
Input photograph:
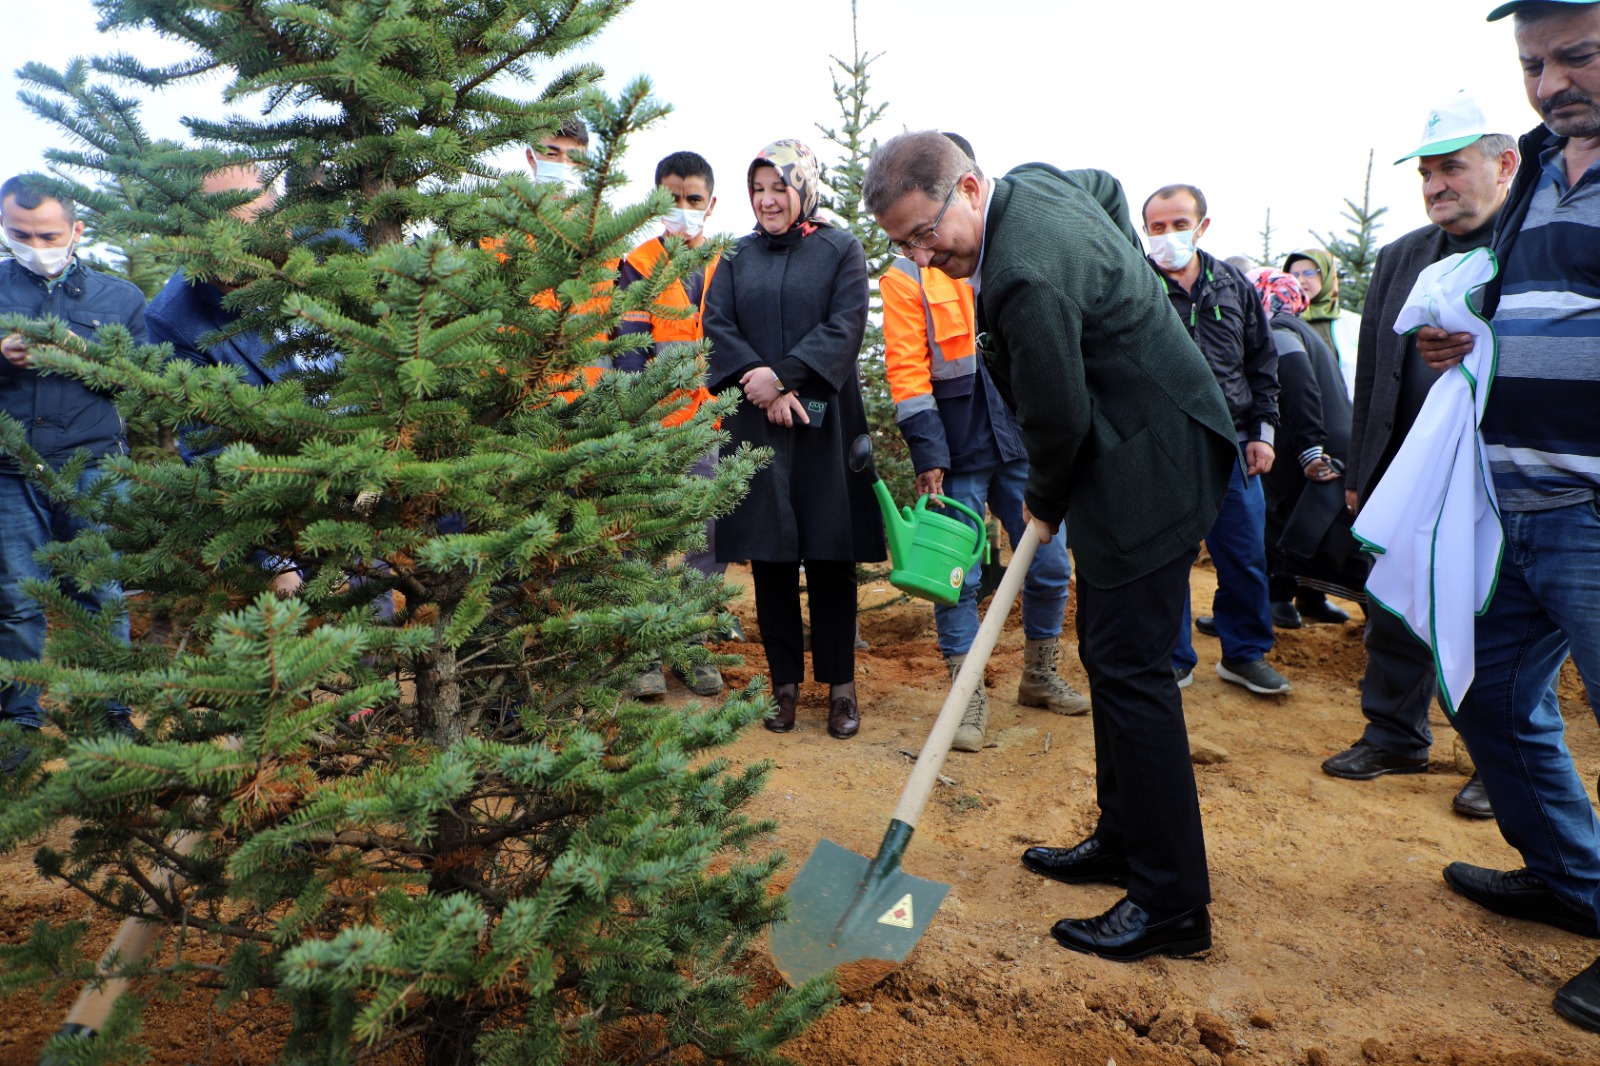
{"type": "Point", "coordinates": [182, 313]}
{"type": "Point", "coordinates": [60, 413]}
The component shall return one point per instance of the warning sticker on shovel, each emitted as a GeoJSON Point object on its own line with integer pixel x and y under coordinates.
{"type": "Point", "coordinates": [899, 914]}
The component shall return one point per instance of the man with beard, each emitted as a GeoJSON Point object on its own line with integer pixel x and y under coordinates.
{"type": "Point", "coordinates": [1543, 446]}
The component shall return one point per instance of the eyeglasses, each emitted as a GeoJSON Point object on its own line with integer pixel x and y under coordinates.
{"type": "Point", "coordinates": [1311, 272]}
{"type": "Point", "coordinates": [929, 235]}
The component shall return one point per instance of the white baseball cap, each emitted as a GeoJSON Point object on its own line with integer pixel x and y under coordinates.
{"type": "Point", "coordinates": [1450, 127]}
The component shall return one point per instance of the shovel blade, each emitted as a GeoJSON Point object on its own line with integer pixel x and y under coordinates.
{"type": "Point", "coordinates": [857, 917]}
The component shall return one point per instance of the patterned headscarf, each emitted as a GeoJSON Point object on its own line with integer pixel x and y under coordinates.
{"type": "Point", "coordinates": [798, 169]}
{"type": "Point", "coordinates": [1281, 293]}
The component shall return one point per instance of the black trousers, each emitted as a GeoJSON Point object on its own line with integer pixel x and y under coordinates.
{"type": "Point", "coordinates": [1397, 688]}
{"type": "Point", "coordinates": [1143, 774]}
{"type": "Point", "coordinates": [831, 587]}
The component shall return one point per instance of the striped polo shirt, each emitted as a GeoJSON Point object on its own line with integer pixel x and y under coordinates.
{"type": "Point", "coordinates": [1541, 428]}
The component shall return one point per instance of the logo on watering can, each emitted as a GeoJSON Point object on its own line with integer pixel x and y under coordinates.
{"type": "Point", "coordinates": [955, 577]}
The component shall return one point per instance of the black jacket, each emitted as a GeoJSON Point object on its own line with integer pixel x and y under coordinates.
{"type": "Point", "coordinates": [1225, 317]}
{"type": "Point", "coordinates": [61, 414]}
{"type": "Point", "coordinates": [1515, 209]}
{"type": "Point", "coordinates": [800, 307]}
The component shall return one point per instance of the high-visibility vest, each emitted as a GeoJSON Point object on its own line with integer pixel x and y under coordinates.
{"type": "Point", "coordinates": [546, 301]}
{"type": "Point", "coordinates": [686, 330]}
{"type": "Point", "coordinates": [929, 334]}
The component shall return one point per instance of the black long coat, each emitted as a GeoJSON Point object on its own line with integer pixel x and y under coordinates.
{"type": "Point", "coordinates": [800, 300]}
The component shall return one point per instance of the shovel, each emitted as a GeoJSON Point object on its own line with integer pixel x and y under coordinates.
{"type": "Point", "coordinates": [861, 917]}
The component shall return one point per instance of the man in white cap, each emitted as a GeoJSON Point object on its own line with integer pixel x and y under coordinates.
{"type": "Point", "coordinates": [1542, 441]}
{"type": "Point", "coordinates": [1466, 171]}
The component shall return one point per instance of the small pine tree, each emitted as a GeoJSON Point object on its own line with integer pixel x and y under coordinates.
{"type": "Point", "coordinates": [1357, 253]}
{"type": "Point", "coordinates": [857, 117]}
{"type": "Point", "coordinates": [1269, 258]}
{"type": "Point", "coordinates": [409, 801]}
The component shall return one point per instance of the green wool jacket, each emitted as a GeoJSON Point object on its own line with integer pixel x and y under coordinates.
{"type": "Point", "coordinates": [1128, 435]}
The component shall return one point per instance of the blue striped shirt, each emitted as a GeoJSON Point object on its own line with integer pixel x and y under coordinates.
{"type": "Point", "coordinates": [1541, 428]}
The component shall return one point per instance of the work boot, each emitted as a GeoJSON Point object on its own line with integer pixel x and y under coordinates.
{"type": "Point", "coordinates": [1041, 686]}
{"type": "Point", "coordinates": [649, 684]}
{"type": "Point", "coordinates": [975, 719]}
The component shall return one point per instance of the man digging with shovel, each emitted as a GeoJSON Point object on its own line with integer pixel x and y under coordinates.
{"type": "Point", "coordinates": [1125, 426]}
{"type": "Point", "coordinates": [964, 443]}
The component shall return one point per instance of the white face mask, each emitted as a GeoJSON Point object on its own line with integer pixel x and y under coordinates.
{"type": "Point", "coordinates": [563, 174]}
{"type": "Point", "coordinates": [682, 222]}
{"type": "Point", "coordinates": [45, 262]}
{"type": "Point", "coordinates": [1172, 251]}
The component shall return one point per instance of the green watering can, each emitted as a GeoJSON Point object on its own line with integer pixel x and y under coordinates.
{"type": "Point", "coordinates": [932, 553]}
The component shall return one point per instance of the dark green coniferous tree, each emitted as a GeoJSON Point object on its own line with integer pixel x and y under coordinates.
{"type": "Point", "coordinates": [408, 800]}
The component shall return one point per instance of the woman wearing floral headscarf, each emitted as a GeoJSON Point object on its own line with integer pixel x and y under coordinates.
{"type": "Point", "coordinates": [785, 316]}
{"type": "Point", "coordinates": [1309, 549]}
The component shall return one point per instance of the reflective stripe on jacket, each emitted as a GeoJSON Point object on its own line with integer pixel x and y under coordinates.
{"type": "Point", "coordinates": [687, 330]}
{"type": "Point", "coordinates": [929, 336]}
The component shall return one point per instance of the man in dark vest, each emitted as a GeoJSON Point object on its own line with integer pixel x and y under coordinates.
{"type": "Point", "coordinates": [1466, 172]}
{"type": "Point", "coordinates": [1126, 429]}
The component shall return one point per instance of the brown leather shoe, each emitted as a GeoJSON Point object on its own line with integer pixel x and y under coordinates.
{"type": "Point", "coordinates": [782, 720]}
{"type": "Point", "coordinates": [844, 718]}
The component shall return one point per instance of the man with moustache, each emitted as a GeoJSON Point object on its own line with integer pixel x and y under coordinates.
{"type": "Point", "coordinates": [1125, 427]}
{"type": "Point", "coordinates": [1466, 172]}
{"type": "Point", "coordinates": [1542, 441]}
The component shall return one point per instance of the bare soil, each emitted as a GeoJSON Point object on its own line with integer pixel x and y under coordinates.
{"type": "Point", "coordinates": [1337, 941]}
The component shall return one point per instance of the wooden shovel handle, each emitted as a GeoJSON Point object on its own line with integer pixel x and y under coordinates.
{"type": "Point", "coordinates": [968, 678]}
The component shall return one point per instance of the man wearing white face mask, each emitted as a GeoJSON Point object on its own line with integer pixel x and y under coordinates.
{"type": "Point", "coordinates": [1225, 317]}
{"type": "Point", "coordinates": [687, 176]}
{"type": "Point", "coordinates": [45, 279]}
{"type": "Point", "coordinates": [551, 160]}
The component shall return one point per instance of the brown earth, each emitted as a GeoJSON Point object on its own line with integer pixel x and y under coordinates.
{"type": "Point", "coordinates": [1337, 941]}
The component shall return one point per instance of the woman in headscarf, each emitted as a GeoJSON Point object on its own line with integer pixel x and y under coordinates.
{"type": "Point", "coordinates": [1309, 547]}
{"type": "Point", "coordinates": [1338, 326]}
{"type": "Point", "coordinates": [785, 316]}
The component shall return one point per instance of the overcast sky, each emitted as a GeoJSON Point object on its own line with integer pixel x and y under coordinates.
{"type": "Point", "coordinates": [1260, 105]}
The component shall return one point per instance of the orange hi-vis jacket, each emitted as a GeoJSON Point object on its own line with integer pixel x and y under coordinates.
{"type": "Point", "coordinates": [929, 334]}
{"type": "Point", "coordinates": [546, 301]}
{"type": "Point", "coordinates": [945, 403]}
{"type": "Point", "coordinates": [686, 330]}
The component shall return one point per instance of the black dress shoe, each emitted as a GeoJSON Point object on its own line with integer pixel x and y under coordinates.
{"type": "Point", "coordinates": [1125, 932]}
{"type": "Point", "coordinates": [1519, 894]}
{"type": "Point", "coordinates": [1578, 1001]}
{"type": "Point", "coordinates": [1363, 762]}
{"type": "Point", "coordinates": [1320, 610]}
{"type": "Point", "coordinates": [1285, 616]}
{"type": "Point", "coordinates": [1206, 623]}
{"type": "Point", "coordinates": [1473, 799]}
{"type": "Point", "coordinates": [844, 717]}
{"type": "Point", "coordinates": [1090, 860]}
{"type": "Point", "coordinates": [782, 720]}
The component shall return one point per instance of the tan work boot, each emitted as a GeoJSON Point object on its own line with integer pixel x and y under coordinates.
{"type": "Point", "coordinates": [975, 719]}
{"type": "Point", "coordinates": [1041, 686]}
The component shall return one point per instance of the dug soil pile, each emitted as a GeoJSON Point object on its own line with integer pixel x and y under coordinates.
{"type": "Point", "coordinates": [1337, 941]}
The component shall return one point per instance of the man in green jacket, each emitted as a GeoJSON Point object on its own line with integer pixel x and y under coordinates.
{"type": "Point", "coordinates": [1126, 428]}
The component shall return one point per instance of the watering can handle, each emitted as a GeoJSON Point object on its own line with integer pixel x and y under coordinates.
{"type": "Point", "coordinates": [968, 678]}
{"type": "Point", "coordinates": [982, 549]}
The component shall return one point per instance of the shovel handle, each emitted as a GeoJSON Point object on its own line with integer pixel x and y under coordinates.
{"type": "Point", "coordinates": [968, 678]}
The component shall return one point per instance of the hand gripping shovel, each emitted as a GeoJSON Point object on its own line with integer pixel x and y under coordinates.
{"type": "Point", "coordinates": [858, 917]}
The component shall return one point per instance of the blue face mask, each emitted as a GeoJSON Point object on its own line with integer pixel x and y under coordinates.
{"type": "Point", "coordinates": [552, 173]}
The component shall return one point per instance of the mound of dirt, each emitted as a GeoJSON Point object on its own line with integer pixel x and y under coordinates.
{"type": "Point", "coordinates": [1337, 941]}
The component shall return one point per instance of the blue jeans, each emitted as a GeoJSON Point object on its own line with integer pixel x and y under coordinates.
{"type": "Point", "coordinates": [1546, 605]}
{"type": "Point", "coordinates": [1044, 591]}
{"type": "Point", "coordinates": [1238, 546]}
{"type": "Point", "coordinates": [29, 520]}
